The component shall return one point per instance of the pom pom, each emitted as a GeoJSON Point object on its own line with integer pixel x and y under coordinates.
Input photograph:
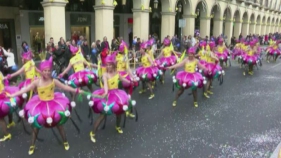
{"type": "Point", "coordinates": [154, 75]}
{"type": "Point", "coordinates": [138, 78]}
{"type": "Point", "coordinates": [88, 97]}
{"type": "Point", "coordinates": [13, 104]}
{"type": "Point", "coordinates": [196, 69]}
{"type": "Point", "coordinates": [106, 108]}
{"type": "Point", "coordinates": [173, 63]}
{"type": "Point", "coordinates": [65, 82]}
{"type": "Point", "coordinates": [21, 113]}
{"type": "Point", "coordinates": [30, 120]}
{"type": "Point", "coordinates": [228, 57]}
{"type": "Point", "coordinates": [174, 77]}
{"type": "Point", "coordinates": [91, 103]}
{"type": "Point", "coordinates": [129, 96]}
{"type": "Point", "coordinates": [134, 102]}
{"type": "Point", "coordinates": [204, 78]}
{"type": "Point", "coordinates": [24, 95]}
{"type": "Point", "coordinates": [67, 113]}
{"type": "Point", "coordinates": [143, 76]}
{"type": "Point", "coordinates": [136, 60]}
{"type": "Point", "coordinates": [184, 84]}
{"type": "Point", "coordinates": [196, 83]}
{"type": "Point", "coordinates": [125, 107]}
{"type": "Point", "coordinates": [174, 80]}
{"type": "Point", "coordinates": [73, 104]}
{"type": "Point", "coordinates": [134, 73]}
{"type": "Point", "coordinates": [69, 82]}
{"type": "Point", "coordinates": [80, 80]}
{"type": "Point", "coordinates": [204, 82]}
{"type": "Point", "coordinates": [219, 72]}
{"type": "Point", "coordinates": [92, 76]}
{"type": "Point", "coordinates": [222, 71]}
{"type": "Point", "coordinates": [63, 94]}
{"type": "Point", "coordinates": [49, 120]}
{"type": "Point", "coordinates": [200, 71]}
{"type": "Point", "coordinates": [160, 72]}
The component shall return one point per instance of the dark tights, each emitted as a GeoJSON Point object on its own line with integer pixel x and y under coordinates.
{"type": "Point", "coordinates": [101, 118]}
{"type": "Point", "coordinates": [180, 92]}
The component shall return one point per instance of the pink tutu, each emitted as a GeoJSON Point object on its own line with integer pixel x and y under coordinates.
{"type": "Point", "coordinates": [25, 83]}
{"type": "Point", "coordinates": [82, 78]}
{"type": "Point", "coordinates": [148, 73]}
{"type": "Point", "coordinates": [125, 85]}
{"type": "Point", "coordinates": [249, 59]}
{"type": "Point", "coordinates": [187, 80]}
{"type": "Point", "coordinates": [213, 72]}
{"type": "Point", "coordinates": [49, 113]}
{"type": "Point", "coordinates": [166, 61]}
{"type": "Point", "coordinates": [8, 105]}
{"type": "Point", "coordinates": [117, 102]}
{"type": "Point", "coordinates": [223, 56]}
{"type": "Point", "coordinates": [237, 53]}
{"type": "Point", "coordinates": [272, 51]}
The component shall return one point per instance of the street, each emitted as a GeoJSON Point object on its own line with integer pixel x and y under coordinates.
{"type": "Point", "coordinates": [241, 119]}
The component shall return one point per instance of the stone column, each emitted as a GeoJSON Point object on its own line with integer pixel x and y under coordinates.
{"type": "Point", "coordinates": [263, 29]}
{"type": "Point", "coordinates": [168, 24]}
{"type": "Point", "coordinates": [267, 28]}
{"type": "Point", "coordinates": [229, 30]}
{"type": "Point", "coordinates": [141, 23]}
{"type": "Point", "coordinates": [190, 25]}
{"type": "Point", "coordinates": [205, 24]}
{"type": "Point", "coordinates": [258, 29]}
{"type": "Point", "coordinates": [245, 28]}
{"type": "Point", "coordinates": [104, 22]}
{"type": "Point", "coordinates": [252, 28]}
{"type": "Point", "coordinates": [237, 28]}
{"type": "Point", "coordinates": [54, 19]}
{"type": "Point", "coordinates": [218, 24]}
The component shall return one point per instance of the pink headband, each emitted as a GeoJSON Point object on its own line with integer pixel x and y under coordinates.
{"type": "Point", "coordinates": [46, 64]}
{"type": "Point", "coordinates": [27, 55]}
{"type": "Point", "coordinates": [73, 49]}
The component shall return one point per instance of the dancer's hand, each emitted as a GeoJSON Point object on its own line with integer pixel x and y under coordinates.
{"type": "Point", "coordinates": [10, 95]}
{"type": "Point", "coordinates": [60, 76]}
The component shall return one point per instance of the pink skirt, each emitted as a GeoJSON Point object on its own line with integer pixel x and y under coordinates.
{"type": "Point", "coordinates": [82, 78]}
{"type": "Point", "coordinates": [188, 80]}
{"type": "Point", "coordinates": [148, 73]}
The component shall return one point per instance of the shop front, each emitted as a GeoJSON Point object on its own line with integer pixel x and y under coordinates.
{"type": "Point", "coordinates": [7, 34]}
{"type": "Point", "coordinates": [80, 25]}
{"type": "Point", "coordinates": [36, 31]}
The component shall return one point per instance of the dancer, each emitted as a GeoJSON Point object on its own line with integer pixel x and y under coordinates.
{"type": "Point", "coordinates": [47, 109]}
{"type": "Point", "coordinates": [250, 59]}
{"type": "Point", "coordinates": [8, 105]}
{"type": "Point", "coordinates": [222, 53]}
{"type": "Point", "coordinates": [117, 101]}
{"type": "Point", "coordinates": [81, 77]}
{"type": "Point", "coordinates": [123, 68]}
{"type": "Point", "coordinates": [30, 72]}
{"type": "Point", "coordinates": [188, 78]}
{"type": "Point", "coordinates": [273, 51]}
{"type": "Point", "coordinates": [148, 72]}
{"type": "Point", "coordinates": [167, 57]}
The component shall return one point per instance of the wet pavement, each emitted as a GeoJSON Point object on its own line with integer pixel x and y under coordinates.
{"type": "Point", "coordinates": [241, 119]}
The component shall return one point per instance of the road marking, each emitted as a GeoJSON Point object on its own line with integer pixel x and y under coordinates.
{"type": "Point", "coordinates": [274, 66]}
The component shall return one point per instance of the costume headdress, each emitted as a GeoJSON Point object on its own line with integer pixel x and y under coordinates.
{"type": "Point", "coordinates": [167, 42]}
{"type": "Point", "coordinates": [191, 50]}
{"type": "Point", "coordinates": [27, 55]}
{"type": "Point", "coordinates": [45, 64]}
{"type": "Point", "coordinates": [74, 50]}
{"type": "Point", "coordinates": [110, 59]}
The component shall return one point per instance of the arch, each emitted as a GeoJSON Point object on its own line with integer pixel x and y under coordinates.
{"type": "Point", "coordinates": [166, 6]}
{"type": "Point", "coordinates": [245, 16]}
{"type": "Point", "coordinates": [237, 15]}
{"type": "Point", "coordinates": [258, 19]}
{"type": "Point", "coordinates": [186, 6]}
{"type": "Point", "coordinates": [216, 9]}
{"type": "Point", "coordinates": [227, 13]}
{"type": "Point", "coordinates": [264, 19]}
{"type": "Point", "coordinates": [253, 18]}
{"type": "Point", "coordinates": [203, 7]}
{"type": "Point", "coordinates": [272, 21]}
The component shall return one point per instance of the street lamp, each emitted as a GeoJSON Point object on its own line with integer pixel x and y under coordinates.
{"type": "Point", "coordinates": [179, 8]}
{"type": "Point", "coordinates": [123, 2]}
{"type": "Point", "coordinates": [155, 4]}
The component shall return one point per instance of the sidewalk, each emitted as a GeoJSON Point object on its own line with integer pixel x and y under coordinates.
{"type": "Point", "coordinates": [276, 151]}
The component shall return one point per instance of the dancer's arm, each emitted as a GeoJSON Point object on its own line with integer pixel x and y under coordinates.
{"type": "Point", "coordinates": [214, 57]}
{"type": "Point", "coordinates": [201, 66]}
{"type": "Point", "coordinates": [24, 90]}
{"type": "Point", "coordinates": [21, 70]}
{"type": "Point", "coordinates": [91, 64]}
{"type": "Point", "coordinates": [177, 65]}
{"type": "Point", "coordinates": [67, 88]}
{"type": "Point", "coordinates": [160, 55]}
{"type": "Point", "coordinates": [105, 86]}
{"type": "Point", "coordinates": [124, 79]}
{"type": "Point", "coordinates": [66, 70]}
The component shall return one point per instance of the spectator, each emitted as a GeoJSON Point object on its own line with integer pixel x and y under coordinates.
{"type": "Point", "coordinates": [86, 50]}
{"type": "Point", "coordinates": [11, 65]}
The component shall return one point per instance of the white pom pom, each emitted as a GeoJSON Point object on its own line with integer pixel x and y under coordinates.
{"type": "Point", "coordinates": [222, 71]}
{"type": "Point", "coordinates": [134, 103]}
{"type": "Point", "coordinates": [204, 78]}
{"type": "Point", "coordinates": [196, 83]}
{"type": "Point", "coordinates": [69, 82]}
{"type": "Point", "coordinates": [204, 82]}
{"type": "Point", "coordinates": [63, 94]}
{"type": "Point", "coordinates": [174, 80]}
{"type": "Point", "coordinates": [136, 60]}
{"type": "Point", "coordinates": [65, 82]}
{"type": "Point", "coordinates": [30, 120]}
{"type": "Point", "coordinates": [73, 104]}
{"type": "Point", "coordinates": [106, 108]}
{"type": "Point", "coordinates": [138, 78]}
{"type": "Point", "coordinates": [21, 113]}
{"type": "Point", "coordinates": [91, 103]}
{"type": "Point", "coordinates": [88, 97]}
{"type": "Point", "coordinates": [219, 72]}
{"type": "Point", "coordinates": [134, 73]}
{"type": "Point", "coordinates": [173, 63]}
{"type": "Point", "coordinates": [160, 72]}
{"type": "Point", "coordinates": [143, 76]}
{"type": "Point", "coordinates": [129, 96]}
{"type": "Point", "coordinates": [174, 77]}
{"type": "Point", "coordinates": [80, 80]}
{"type": "Point", "coordinates": [200, 71]}
{"type": "Point", "coordinates": [24, 95]}
{"type": "Point", "coordinates": [196, 69]}
{"type": "Point", "coordinates": [228, 57]}
{"type": "Point", "coordinates": [240, 57]}
{"type": "Point", "coordinates": [221, 58]}
{"type": "Point", "coordinates": [125, 107]}
{"type": "Point", "coordinates": [184, 84]}
{"type": "Point", "coordinates": [154, 75]}
{"type": "Point", "coordinates": [67, 113]}
{"type": "Point", "coordinates": [92, 76]}
{"type": "Point", "coordinates": [13, 104]}
{"type": "Point", "coordinates": [49, 120]}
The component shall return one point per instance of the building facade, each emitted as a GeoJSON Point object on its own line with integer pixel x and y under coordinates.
{"type": "Point", "coordinates": [39, 20]}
